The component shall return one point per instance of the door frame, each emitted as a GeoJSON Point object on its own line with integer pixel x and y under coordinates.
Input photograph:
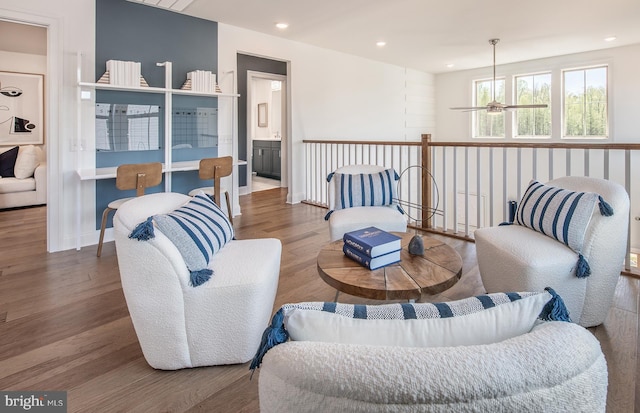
{"type": "Point", "coordinates": [52, 91]}
{"type": "Point", "coordinates": [285, 123]}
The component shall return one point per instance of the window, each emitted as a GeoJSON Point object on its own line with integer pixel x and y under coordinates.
{"type": "Point", "coordinates": [531, 90]}
{"type": "Point", "coordinates": [585, 102]}
{"type": "Point", "coordinates": [488, 125]}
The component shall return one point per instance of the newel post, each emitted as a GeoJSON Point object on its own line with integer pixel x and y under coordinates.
{"type": "Point", "coordinates": [426, 181]}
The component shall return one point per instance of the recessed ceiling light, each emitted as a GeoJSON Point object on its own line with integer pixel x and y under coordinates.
{"type": "Point", "coordinates": [282, 26]}
{"type": "Point", "coordinates": [610, 38]}
{"type": "Point", "coordinates": [381, 44]}
{"type": "Point", "coordinates": [450, 65]}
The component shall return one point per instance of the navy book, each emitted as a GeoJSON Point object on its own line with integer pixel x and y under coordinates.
{"type": "Point", "coordinates": [372, 241]}
{"type": "Point", "coordinates": [371, 263]}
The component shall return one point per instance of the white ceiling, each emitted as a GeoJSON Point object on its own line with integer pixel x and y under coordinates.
{"type": "Point", "coordinates": [428, 34]}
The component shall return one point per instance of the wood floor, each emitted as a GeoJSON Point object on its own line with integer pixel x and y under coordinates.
{"type": "Point", "coordinates": [64, 323]}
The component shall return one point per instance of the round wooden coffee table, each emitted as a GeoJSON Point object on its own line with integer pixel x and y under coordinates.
{"type": "Point", "coordinates": [438, 269]}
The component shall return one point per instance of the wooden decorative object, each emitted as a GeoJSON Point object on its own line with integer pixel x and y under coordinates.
{"type": "Point", "coordinates": [437, 270]}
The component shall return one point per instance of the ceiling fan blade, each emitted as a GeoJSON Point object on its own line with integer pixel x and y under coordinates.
{"type": "Point", "coordinates": [469, 108]}
{"type": "Point", "coordinates": [525, 106]}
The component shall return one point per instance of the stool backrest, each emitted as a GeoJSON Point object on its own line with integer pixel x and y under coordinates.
{"type": "Point", "coordinates": [138, 176]}
{"type": "Point", "coordinates": [216, 168]}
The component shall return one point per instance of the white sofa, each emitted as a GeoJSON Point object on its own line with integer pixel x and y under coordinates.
{"type": "Point", "coordinates": [32, 190]}
{"type": "Point", "coordinates": [556, 367]}
{"type": "Point", "coordinates": [179, 326]}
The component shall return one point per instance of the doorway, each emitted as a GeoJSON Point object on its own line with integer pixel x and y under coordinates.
{"type": "Point", "coordinates": [267, 131]}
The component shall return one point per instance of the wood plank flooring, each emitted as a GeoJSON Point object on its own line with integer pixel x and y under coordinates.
{"type": "Point", "coordinates": [64, 323]}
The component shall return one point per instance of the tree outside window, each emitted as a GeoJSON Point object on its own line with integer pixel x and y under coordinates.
{"type": "Point", "coordinates": [529, 90]}
{"type": "Point", "coordinates": [485, 125]}
{"type": "Point", "coordinates": [585, 102]}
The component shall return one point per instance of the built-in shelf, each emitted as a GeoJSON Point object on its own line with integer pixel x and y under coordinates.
{"type": "Point", "coordinates": [139, 89]}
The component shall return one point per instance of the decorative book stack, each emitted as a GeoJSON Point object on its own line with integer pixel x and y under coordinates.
{"type": "Point", "coordinates": [372, 247]}
{"type": "Point", "coordinates": [201, 81]}
{"type": "Point", "coordinates": [123, 73]}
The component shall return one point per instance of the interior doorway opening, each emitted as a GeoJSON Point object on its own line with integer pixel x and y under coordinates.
{"type": "Point", "coordinates": [267, 131]}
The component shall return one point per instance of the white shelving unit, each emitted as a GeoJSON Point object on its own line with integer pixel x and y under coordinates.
{"type": "Point", "coordinates": [168, 166]}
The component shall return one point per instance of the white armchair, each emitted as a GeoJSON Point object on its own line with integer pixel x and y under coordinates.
{"type": "Point", "coordinates": [387, 218]}
{"type": "Point", "coordinates": [516, 258]}
{"type": "Point", "coordinates": [178, 326]}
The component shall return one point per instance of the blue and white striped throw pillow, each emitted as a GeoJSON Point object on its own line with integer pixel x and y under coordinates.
{"type": "Point", "coordinates": [358, 190]}
{"type": "Point", "coordinates": [477, 320]}
{"type": "Point", "coordinates": [198, 229]}
{"type": "Point", "coordinates": [557, 213]}
{"type": "Point", "coordinates": [561, 214]}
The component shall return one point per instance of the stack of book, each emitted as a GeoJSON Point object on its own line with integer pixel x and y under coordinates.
{"type": "Point", "coordinates": [124, 73]}
{"type": "Point", "coordinates": [201, 81]}
{"type": "Point", "coordinates": [372, 247]}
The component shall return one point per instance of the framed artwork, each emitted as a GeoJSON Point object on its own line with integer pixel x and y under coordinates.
{"type": "Point", "coordinates": [21, 109]}
{"type": "Point", "coordinates": [262, 115]}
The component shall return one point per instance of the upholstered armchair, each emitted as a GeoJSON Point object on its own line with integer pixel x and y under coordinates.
{"type": "Point", "coordinates": [518, 258]}
{"type": "Point", "coordinates": [178, 322]}
{"type": "Point", "coordinates": [346, 215]}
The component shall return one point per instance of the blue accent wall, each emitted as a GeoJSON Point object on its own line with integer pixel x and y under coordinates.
{"type": "Point", "coordinates": [130, 31]}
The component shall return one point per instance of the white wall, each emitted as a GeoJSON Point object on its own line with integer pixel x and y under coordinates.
{"type": "Point", "coordinates": [260, 93]}
{"type": "Point", "coordinates": [454, 89]}
{"type": "Point", "coordinates": [335, 95]}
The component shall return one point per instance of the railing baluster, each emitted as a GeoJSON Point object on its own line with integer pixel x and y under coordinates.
{"type": "Point", "coordinates": [466, 191]}
{"type": "Point", "coordinates": [455, 190]}
{"type": "Point", "coordinates": [568, 161]}
{"type": "Point", "coordinates": [535, 163]}
{"type": "Point", "coordinates": [491, 186]}
{"type": "Point", "coordinates": [519, 174]}
{"type": "Point", "coordinates": [606, 164]}
{"type": "Point", "coordinates": [627, 186]}
{"type": "Point", "coordinates": [586, 162]}
{"type": "Point", "coordinates": [443, 194]}
{"type": "Point", "coordinates": [504, 184]}
{"type": "Point", "coordinates": [478, 184]}
{"type": "Point", "coordinates": [550, 163]}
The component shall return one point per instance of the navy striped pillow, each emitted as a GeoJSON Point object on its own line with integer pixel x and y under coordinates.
{"type": "Point", "coordinates": [354, 190]}
{"type": "Point", "coordinates": [557, 213]}
{"type": "Point", "coordinates": [198, 229]}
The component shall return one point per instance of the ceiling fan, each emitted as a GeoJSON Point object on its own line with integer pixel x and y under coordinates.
{"type": "Point", "coordinates": [494, 107]}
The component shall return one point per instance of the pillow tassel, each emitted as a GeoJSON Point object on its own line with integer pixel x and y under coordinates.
{"type": "Point", "coordinates": [330, 176]}
{"type": "Point", "coordinates": [143, 231]}
{"type": "Point", "coordinates": [502, 224]}
{"type": "Point", "coordinates": [400, 209]}
{"type": "Point", "coordinates": [274, 334]}
{"type": "Point", "coordinates": [605, 208]}
{"type": "Point", "coordinates": [554, 310]}
{"type": "Point", "coordinates": [200, 277]}
{"type": "Point", "coordinates": [582, 269]}
{"type": "Point", "coordinates": [326, 217]}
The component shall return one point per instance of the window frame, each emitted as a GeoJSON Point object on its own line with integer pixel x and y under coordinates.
{"type": "Point", "coordinates": [563, 136]}
{"type": "Point", "coordinates": [514, 98]}
{"type": "Point", "coordinates": [474, 99]}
